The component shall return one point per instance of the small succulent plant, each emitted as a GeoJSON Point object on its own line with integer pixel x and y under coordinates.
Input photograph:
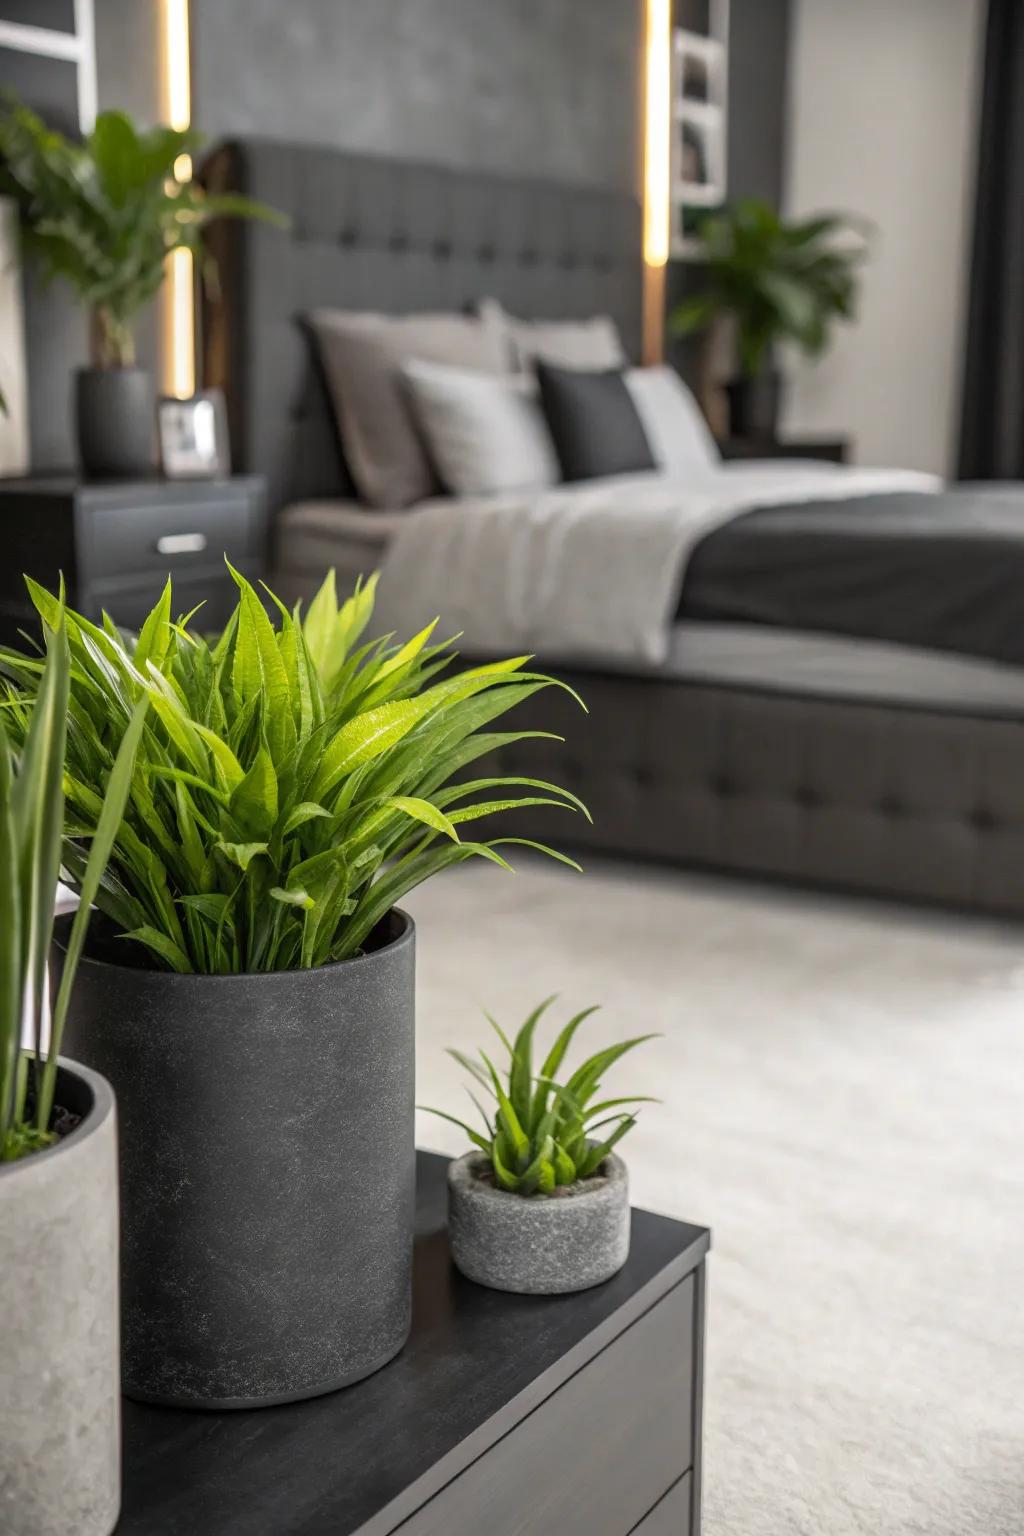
{"type": "Point", "coordinates": [540, 1135]}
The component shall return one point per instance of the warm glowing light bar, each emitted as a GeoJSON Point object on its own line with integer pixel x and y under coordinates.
{"type": "Point", "coordinates": [657, 132]}
{"type": "Point", "coordinates": [179, 85]}
{"type": "Point", "coordinates": [179, 312]}
{"type": "Point", "coordinates": [181, 368]}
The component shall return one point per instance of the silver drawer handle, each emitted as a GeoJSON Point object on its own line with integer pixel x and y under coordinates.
{"type": "Point", "coordinates": [181, 544]}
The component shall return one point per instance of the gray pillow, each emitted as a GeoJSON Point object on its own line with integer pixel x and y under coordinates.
{"type": "Point", "coordinates": [484, 434]}
{"type": "Point", "coordinates": [593, 343]}
{"type": "Point", "coordinates": [363, 355]}
{"type": "Point", "coordinates": [594, 422]}
{"type": "Point", "coordinates": [680, 438]}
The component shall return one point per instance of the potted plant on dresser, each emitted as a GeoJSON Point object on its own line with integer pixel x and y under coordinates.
{"type": "Point", "coordinates": [775, 281]}
{"type": "Point", "coordinates": [542, 1205]}
{"type": "Point", "coordinates": [60, 1464]}
{"type": "Point", "coordinates": [103, 215]}
{"type": "Point", "coordinates": [249, 988]}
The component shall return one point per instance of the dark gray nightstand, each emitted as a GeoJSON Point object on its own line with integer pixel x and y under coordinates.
{"type": "Point", "coordinates": [504, 1415]}
{"type": "Point", "coordinates": [833, 449]}
{"type": "Point", "coordinates": [117, 541]}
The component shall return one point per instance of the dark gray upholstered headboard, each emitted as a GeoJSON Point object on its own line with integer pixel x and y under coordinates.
{"type": "Point", "coordinates": [370, 233]}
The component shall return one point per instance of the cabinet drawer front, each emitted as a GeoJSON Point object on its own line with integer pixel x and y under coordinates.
{"type": "Point", "coordinates": [168, 536]}
{"type": "Point", "coordinates": [130, 602]}
{"type": "Point", "coordinates": [672, 1516]}
{"type": "Point", "coordinates": [596, 1455]}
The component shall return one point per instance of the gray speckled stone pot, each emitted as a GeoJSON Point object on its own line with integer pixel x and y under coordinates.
{"type": "Point", "coordinates": [60, 1390]}
{"type": "Point", "coordinates": [268, 1170]}
{"type": "Point", "coordinates": [540, 1245]}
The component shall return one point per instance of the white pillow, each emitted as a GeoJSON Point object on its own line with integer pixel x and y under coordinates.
{"type": "Point", "coordinates": [484, 433]}
{"type": "Point", "coordinates": [593, 343]}
{"type": "Point", "coordinates": [679, 437]}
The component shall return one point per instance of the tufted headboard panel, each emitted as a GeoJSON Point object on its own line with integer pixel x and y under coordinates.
{"type": "Point", "coordinates": [396, 236]}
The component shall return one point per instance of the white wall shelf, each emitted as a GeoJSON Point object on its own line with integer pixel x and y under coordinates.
{"type": "Point", "coordinates": [700, 124]}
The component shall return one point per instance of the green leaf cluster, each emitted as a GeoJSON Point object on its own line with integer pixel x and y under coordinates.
{"type": "Point", "coordinates": [778, 280]}
{"type": "Point", "coordinates": [541, 1135]}
{"type": "Point", "coordinates": [31, 828]}
{"type": "Point", "coordinates": [292, 782]}
{"type": "Point", "coordinates": [103, 214]}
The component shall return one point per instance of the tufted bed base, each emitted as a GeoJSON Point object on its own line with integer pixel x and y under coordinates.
{"type": "Point", "coordinates": [918, 804]}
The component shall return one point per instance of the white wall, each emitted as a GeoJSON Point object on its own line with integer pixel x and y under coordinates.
{"type": "Point", "coordinates": [882, 116]}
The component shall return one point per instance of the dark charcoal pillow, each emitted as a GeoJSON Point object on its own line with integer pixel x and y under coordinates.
{"type": "Point", "coordinates": [593, 422]}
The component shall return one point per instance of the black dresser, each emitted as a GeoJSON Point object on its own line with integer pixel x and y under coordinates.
{"type": "Point", "coordinates": [116, 543]}
{"type": "Point", "coordinates": [502, 1416]}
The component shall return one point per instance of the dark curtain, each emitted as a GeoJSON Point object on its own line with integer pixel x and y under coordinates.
{"type": "Point", "coordinates": [992, 428]}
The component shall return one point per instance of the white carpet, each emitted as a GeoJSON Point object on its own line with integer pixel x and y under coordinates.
{"type": "Point", "coordinates": [844, 1106]}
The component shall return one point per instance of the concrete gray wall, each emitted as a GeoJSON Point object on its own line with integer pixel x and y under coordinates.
{"type": "Point", "coordinates": [759, 33]}
{"type": "Point", "coordinates": [534, 87]}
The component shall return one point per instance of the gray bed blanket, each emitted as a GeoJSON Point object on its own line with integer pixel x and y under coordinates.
{"type": "Point", "coordinates": [942, 572]}
{"type": "Point", "coordinates": [588, 572]}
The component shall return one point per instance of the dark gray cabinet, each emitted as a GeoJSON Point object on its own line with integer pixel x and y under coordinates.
{"type": "Point", "coordinates": [117, 542]}
{"type": "Point", "coordinates": [504, 1415]}
{"type": "Point", "coordinates": [835, 450]}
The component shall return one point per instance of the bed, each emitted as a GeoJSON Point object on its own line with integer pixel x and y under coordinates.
{"type": "Point", "coordinates": [848, 760]}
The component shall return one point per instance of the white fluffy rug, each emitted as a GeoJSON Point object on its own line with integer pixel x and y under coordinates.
{"type": "Point", "coordinates": [844, 1106]}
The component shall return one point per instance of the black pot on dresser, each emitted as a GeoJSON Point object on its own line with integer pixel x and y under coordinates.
{"type": "Point", "coordinates": [267, 1169]}
{"type": "Point", "coordinates": [115, 420]}
{"type": "Point", "coordinates": [754, 404]}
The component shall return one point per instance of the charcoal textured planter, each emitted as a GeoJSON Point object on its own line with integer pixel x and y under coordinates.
{"type": "Point", "coordinates": [754, 405]}
{"type": "Point", "coordinates": [115, 416]}
{"type": "Point", "coordinates": [267, 1170]}
{"type": "Point", "coordinates": [60, 1397]}
{"type": "Point", "coordinates": [540, 1245]}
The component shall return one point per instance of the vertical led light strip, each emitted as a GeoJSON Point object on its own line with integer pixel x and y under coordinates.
{"type": "Point", "coordinates": [179, 314]}
{"type": "Point", "coordinates": [658, 131]}
{"type": "Point", "coordinates": [657, 170]}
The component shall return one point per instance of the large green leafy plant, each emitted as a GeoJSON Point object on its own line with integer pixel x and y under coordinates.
{"type": "Point", "coordinates": [291, 783]}
{"type": "Point", "coordinates": [541, 1136]}
{"type": "Point", "coordinates": [778, 280]}
{"type": "Point", "coordinates": [104, 214]}
{"type": "Point", "coordinates": [31, 825]}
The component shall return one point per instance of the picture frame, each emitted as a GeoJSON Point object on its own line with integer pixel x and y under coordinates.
{"type": "Point", "coordinates": [193, 435]}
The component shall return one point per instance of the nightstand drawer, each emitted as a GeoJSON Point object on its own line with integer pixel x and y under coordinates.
{"type": "Point", "coordinates": [671, 1517]}
{"type": "Point", "coordinates": [169, 536]}
{"type": "Point", "coordinates": [619, 1434]}
{"type": "Point", "coordinates": [116, 542]}
{"type": "Point", "coordinates": [130, 601]}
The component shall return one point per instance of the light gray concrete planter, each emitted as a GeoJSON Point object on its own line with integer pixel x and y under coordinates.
{"type": "Point", "coordinates": [60, 1387]}
{"type": "Point", "coordinates": [539, 1245]}
{"type": "Point", "coordinates": [268, 1173]}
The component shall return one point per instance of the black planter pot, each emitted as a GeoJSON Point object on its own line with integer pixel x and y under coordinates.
{"type": "Point", "coordinates": [267, 1170]}
{"type": "Point", "coordinates": [115, 417]}
{"type": "Point", "coordinates": [754, 405]}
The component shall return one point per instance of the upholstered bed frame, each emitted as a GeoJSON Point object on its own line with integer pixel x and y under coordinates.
{"type": "Point", "coordinates": [922, 803]}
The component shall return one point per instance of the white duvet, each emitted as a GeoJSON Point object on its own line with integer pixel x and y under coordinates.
{"type": "Point", "coordinates": [590, 571]}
